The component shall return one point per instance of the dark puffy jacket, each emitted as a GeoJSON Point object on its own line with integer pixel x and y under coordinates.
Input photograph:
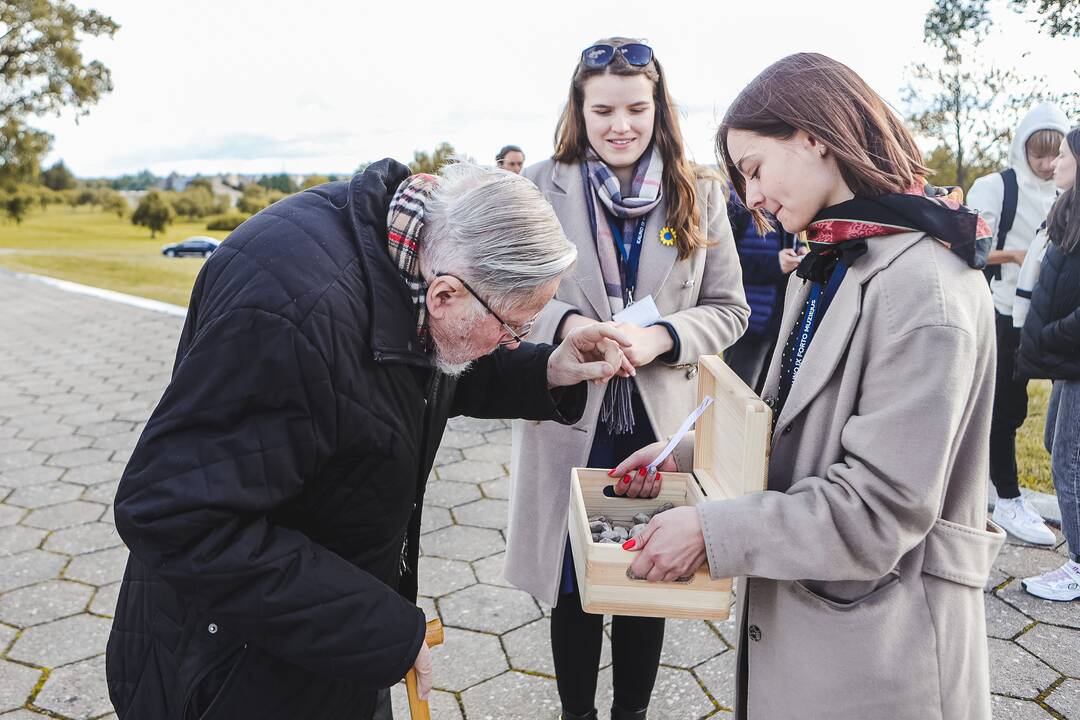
{"type": "Point", "coordinates": [763, 280]}
{"type": "Point", "coordinates": [273, 501]}
{"type": "Point", "coordinates": [1050, 340]}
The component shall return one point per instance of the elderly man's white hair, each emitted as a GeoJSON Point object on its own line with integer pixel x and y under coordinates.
{"type": "Point", "coordinates": [494, 229]}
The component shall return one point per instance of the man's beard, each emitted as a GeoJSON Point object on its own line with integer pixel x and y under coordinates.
{"type": "Point", "coordinates": [453, 353]}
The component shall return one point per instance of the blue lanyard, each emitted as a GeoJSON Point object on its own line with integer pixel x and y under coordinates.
{"type": "Point", "coordinates": [630, 258]}
{"type": "Point", "coordinates": [821, 296]}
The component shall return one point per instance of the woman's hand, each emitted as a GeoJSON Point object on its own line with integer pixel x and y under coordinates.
{"type": "Point", "coordinates": [670, 547]}
{"type": "Point", "coordinates": [647, 344]}
{"type": "Point", "coordinates": [789, 260]}
{"type": "Point", "coordinates": [633, 480]}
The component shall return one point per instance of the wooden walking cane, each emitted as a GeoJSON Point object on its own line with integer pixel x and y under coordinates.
{"type": "Point", "coordinates": [418, 709]}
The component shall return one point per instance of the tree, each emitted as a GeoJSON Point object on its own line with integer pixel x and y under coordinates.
{"type": "Point", "coordinates": [142, 181]}
{"type": "Point", "coordinates": [58, 177]}
{"type": "Point", "coordinates": [17, 203]}
{"type": "Point", "coordinates": [1055, 17]}
{"type": "Point", "coordinates": [280, 182]}
{"type": "Point", "coordinates": [43, 71]}
{"type": "Point", "coordinates": [253, 200]}
{"type": "Point", "coordinates": [153, 212]}
{"type": "Point", "coordinates": [313, 180]}
{"type": "Point", "coordinates": [423, 163]}
{"type": "Point", "coordinates": [963, 102]}
{"type": "Point", "coordinates": [112, 201]}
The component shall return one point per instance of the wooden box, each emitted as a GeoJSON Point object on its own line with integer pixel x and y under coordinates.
{"type": "Point", "coordinates": [730, 458]}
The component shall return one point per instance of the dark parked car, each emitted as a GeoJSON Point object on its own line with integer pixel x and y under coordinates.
{"type": "Point", "coordinates": [197, 245]}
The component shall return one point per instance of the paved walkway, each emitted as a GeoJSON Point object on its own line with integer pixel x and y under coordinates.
{"type": "Point", "coordinates": [80, 375]}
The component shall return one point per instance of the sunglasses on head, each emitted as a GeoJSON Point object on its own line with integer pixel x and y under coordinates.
{"type": "Point", "coordinates": [599, 56]}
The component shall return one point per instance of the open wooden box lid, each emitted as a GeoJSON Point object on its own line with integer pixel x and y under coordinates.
{"type": "Point", "coordinates": [732, 438]}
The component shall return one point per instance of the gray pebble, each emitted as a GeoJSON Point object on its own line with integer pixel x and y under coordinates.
{"type": "Point", "coordinates": [637, 529]}
{"type": "Point", "coordinates": [640, 518]}
{"type": "Point", "coordinates": [597, 527]}
{"type": "Point", "coordinates": [663, 508]}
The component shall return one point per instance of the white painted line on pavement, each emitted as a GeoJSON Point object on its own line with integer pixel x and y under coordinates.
{"type": "Point", "coordinates": [101, 293]}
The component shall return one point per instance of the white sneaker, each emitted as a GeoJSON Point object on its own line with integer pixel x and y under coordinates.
{"type": "Point", "coordinates": [1020, 519]}
{"type": "Point", "coordinates": [1060, 584]}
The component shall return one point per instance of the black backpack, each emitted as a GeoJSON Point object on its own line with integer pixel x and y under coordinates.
{"type": "Point", "coordinates": [1005, 222]}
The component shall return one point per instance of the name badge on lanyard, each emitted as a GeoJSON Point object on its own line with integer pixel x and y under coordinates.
{"type": "Point", "coordinates": [630, 258]}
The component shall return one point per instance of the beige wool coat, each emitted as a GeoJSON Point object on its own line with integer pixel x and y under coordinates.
{"type": "Point", "coordinates": [868, 553]}
{"type": "Point", "coordinates": [702, 298]}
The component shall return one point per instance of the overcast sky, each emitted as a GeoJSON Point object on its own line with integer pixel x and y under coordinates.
{"type": "Point", "coordinates": [320, 86]}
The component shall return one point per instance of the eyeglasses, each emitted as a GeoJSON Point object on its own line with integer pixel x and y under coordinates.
{"type": "Point", "coordinates": [518, 335]}
{"type": "Point", "coordinates": [599, 56]}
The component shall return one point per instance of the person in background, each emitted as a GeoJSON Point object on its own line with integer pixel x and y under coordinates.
{"type": "Point", "coordinates": [511, 158]}
{"type": "Point", "coordinates": [1050, 348]}
{"type": "Point", "coordinates": [1014, 204]}
{"type": "Point", "coordinates": [651, 232]}
{"type": "Point", "coordinates": [767, 261]}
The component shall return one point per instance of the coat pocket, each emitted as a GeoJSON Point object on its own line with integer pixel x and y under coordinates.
{"type": "Point", "coordinates": [846, 596]}
{"type": "Point", "coordinates": [212, 684]}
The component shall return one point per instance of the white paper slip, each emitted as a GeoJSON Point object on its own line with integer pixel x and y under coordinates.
{"type": "Point", "coordinates": [642, 313]}
{"type": "Point", "coordinates": [681, 432]}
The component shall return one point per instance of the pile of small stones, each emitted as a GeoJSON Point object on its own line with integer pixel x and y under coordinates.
{"type": "Point", "coordinates": [610, 531]}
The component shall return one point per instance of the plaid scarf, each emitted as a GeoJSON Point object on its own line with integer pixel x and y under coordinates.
{"type": "Point", "coordinates": [404, 223]}
{"type": "Point", "coordinates": [645, 194]}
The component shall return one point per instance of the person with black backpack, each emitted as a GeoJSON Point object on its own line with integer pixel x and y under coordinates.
{"type": "Point", "coordinates": [1014, 203]}
{"type": "Point", "coordinates": [1050, 348]}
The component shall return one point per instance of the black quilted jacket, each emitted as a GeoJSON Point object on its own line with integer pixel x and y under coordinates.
{"type": "Point", "coordinates": [1050, 340]}
{"type": "Point", "coordinates": [272, 504]}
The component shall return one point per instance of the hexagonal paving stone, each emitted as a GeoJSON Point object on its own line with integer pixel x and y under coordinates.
{"type": "Point", "coordinates": [448, 494]}
{"type": "Point", "coordinates": [1016, 672]}
{"type": "Point", "coordinates": [62, 641]}
{"type": "Point", "coordinates": [16, 684]}
{"type": "Point", "coordinates": [104, 493]}
{"type": "Point", "coordinates": [1007, 708]}
{"type": "Point", "coordinates": [435, 517]}
{"type": "Point", "coordinates": [499, 437]}
{"type": "Point", "coordinates": [9, 515]}
{"type": "Point", "coordinates": [1066, 699]}
{"type": "Point", "coordinates": [64, 515]}
{"type": "Point", "coordinates": [688, 643]}
{"type": "Point", "coordinates": [482, 513]}
{"type": "Point", "coordinates": [44, 495]}
{"type": "Point", "coordinates": [1055, 646]}
{"type": "Point", "coordinates": [83, 539]}
{"type": "Point", "coordinates": [7, 634]}
{"type": "Point", "coordinates": [44, 602]}
{"type": "Point", "coordinates": [78, 458]}
{"type": "Point", "coordinates": [498, 489]}
{"type": "Point", "coordinates": [477, 425]}
{"type": "Point", "coordinates": [529, 648]}
{"type": "Point", "coordinates": [490, 570]}
{"type": "Point", "coordinates": [27, 568]}
{"type": "Point", "coordinates": [439, 577]}
{"type": "Point", "coordinates": [676, 695]}
{"type": "Point", "coordinates": [99, 568]}
{"type": "Point", "coordinates": [45, 431]}
{"type": "Point", "coordinates": [1021, 561]}
{"type": "Point", "coordinates": [19, 460]}
{"type": "Point", "coordinates": [77, 690]}
{"type": "Point", "coordinates": [1003, 620]}
{"type": "Point", "coordinates": [513, 695]}
{"type": "Point", "coordinates": [488, 609]}
{"type": "Point", "coordinates": [447, 455]}
{"type": "Point", "coordinates": [117, 441]}
{"type": "Point", "coordinates": [87, 414]}
{"type": "Point", "coordinates": [442, 704]}
{"type": "Point", "coordinates": [718, 676]}
{"type": "Point", "coordinates": [18, 538]}
{"type": "Point", "coordinates": [35, 475]}
{"type": "Point", "coordinates": [62, 444]}
{"type": "Point", "coordinates": [101, 429]}
{"type": "Point", "coordinates": [12, 445]}
{"type": "Point", "coordinates": [489, 452]}
{"type": "Point", "coordinates": [460, 440]}
{"type": "Point", "coordinates": [462, 543]}
{"type": "Point", "coordinates": [470, 471]}
{"type": "Point", "coordinates": [1048, 611]}
{"type": "Point", "coordinates": [428, 606]}
{"type": "Point", "coordinates": [466, 658]}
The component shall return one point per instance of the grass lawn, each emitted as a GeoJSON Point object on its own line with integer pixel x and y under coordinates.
{"type": "Point", "coordinates": [97, 248]}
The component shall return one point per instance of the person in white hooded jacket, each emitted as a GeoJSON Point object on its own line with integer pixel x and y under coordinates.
{"type": "Point", "coordinates": [1027, 185]}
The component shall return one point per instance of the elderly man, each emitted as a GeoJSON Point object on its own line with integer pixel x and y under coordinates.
{"type": "Point", "coordinates": [272, 505]}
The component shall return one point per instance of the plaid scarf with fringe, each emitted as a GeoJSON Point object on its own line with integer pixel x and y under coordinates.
{"type": "Point", "coordinates": [404, 223]}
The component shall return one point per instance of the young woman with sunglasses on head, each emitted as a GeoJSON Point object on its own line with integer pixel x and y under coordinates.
{"type": "Point", "coordinates": [862, 565]}
{"type": "Point", "coordinates": [652, 234]}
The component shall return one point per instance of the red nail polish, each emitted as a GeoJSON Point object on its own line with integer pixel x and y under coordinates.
{"type": "Point", "coordinates": [626, 480]}
{"type": "Point", "coordinates": [611, 472]}
{"type": "Point", "coordinates": [642, 472]}
{"type": "Point", "coordinates": [659, 476]}
{"type": "Point", "coordinates": [629, 544]}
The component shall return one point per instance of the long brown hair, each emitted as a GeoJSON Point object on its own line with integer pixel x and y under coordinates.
{"type": "Point", "coordinates": [828, 101]}
{"type": "Point", "coordinates": [680, 191]}
{"type": "Point", "coordinates": [1063, 223]}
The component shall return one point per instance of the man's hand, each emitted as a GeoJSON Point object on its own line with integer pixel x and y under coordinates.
{"type": "Point", "coordinates": [789, 260]}
{"type": "Point", "coordinates": [672, 546]}
{"type": "Point", "coordinates": [593, 352]}
{"type": "Point", "coordinates": [422, 666]}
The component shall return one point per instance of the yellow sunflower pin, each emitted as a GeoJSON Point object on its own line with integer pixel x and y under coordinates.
{"type": "Point", "coordinates": [668, 236]}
